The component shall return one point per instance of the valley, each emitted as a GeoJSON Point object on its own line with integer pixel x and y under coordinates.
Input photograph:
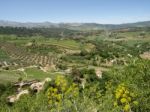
{"type": "Point", "coordinates": [87, 64]}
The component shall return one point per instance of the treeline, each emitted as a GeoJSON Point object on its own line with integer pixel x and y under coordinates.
{"type": "Point", "coordinates": [132, 29]}
{"type": "Point", "coordinates": [46, 32]}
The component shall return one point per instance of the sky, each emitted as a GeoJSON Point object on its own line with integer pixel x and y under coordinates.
{"type": "Point", "coordinates": [85, 11]}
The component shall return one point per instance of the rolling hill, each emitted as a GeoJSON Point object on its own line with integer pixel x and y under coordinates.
{"type": "Point", "coordinates": [75, 26]}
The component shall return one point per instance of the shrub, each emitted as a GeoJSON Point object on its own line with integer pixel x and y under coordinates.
{"type": "Point", "coordinates": [62, 95]}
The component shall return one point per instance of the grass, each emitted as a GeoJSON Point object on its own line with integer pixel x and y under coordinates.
{"type": "Point", "coordinates": [9, 76]}
{"type": "Point", "coordinates": [32, 73]}
{"type": "Point", "coordinates": [68, 44]}
{"type": "Point", "coordinates": [65, 43]}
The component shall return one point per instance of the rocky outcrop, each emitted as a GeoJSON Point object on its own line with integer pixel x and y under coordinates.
{"type": "Point", "coordinates": [25, 83]}
{"type": "Point", "coordinates": [34, 85]}
{"type": "Point", "coordinates": [38, 86]}
{"type": "Point", "coordinates": [14, 98]}
{"type": "Point", "coordinates": [98, 73]}
{"type": "Point", "coordinates": [145, 55]}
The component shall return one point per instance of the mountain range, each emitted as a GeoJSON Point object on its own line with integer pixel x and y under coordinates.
{"type": "Point", "coordinates": [74, 26]}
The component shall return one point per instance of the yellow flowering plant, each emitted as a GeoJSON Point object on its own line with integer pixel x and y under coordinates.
{"type": "Point", "coordinates": [61, 91]}
{"type": "Point", "coordinates": [125, 98]}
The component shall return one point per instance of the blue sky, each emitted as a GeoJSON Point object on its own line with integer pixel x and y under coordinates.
{"type": "Point", "coordinates": [99, 11]}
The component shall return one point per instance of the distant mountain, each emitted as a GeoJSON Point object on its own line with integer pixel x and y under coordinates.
{"type": "Point", "coordinates": [27, 24]}
{"type": "Point", "coordinates": [74, 26]}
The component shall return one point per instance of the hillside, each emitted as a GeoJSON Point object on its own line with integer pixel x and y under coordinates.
{"type": "Point", "coordinates": [75, 26]}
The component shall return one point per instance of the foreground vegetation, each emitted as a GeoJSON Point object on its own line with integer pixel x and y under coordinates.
{"type": "Point", "coordinates": [119, 90]}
